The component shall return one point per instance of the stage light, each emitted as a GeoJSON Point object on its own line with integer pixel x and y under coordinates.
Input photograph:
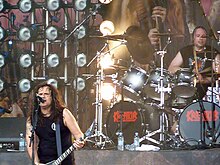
{"type": "Point", "coordinates": [26, 60]}
{"type": "Point", "coordinates": [108, 91]}
{"type": "Point", "coordinates": [27, 33]}
{"type": "Point", "coordinates": [24, 85]}
{"type": "Point", "coordinates": [107, 27]}
{"type": "Point", "coordinates": [3, 33]}
{"type": "Point", "coordinates": [105, 1]}
{"type": "Point", "coordinates": [80, 84]}
{"type": "Point", "coordinates": [53, 60]}
{"type": "Point", "coordinates": [81, 32]}
{"type": "Point", "coordinates": [25, 6]}
{"type": "Point", "coordinates": [81, 60]}
{"type": "Point", "coordinates": [51, 33]}
{"type": "Point", "coordinates": [2, 61]}
{"type": "Point", "coordinates": [80, 5]}
{"type": "Point", "coordinates": [4, 5]}
{"type": "Point", "coordinates": [53, 82]}
{"type": "Point", "coordinates": [106, 61]}
{"type": "Point", "coordinates": [2, 85]}
{"type": "Point", "coordinates": [53, 5]}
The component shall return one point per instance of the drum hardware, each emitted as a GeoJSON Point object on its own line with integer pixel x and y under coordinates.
{"type": "Point", "coordinates": [100, 139]}
{"type": "Point", "coordinates": [125, 116]}
{"type": "Point", "coordinates": [195, 128]}
{"type": "Point", "coordinates": [161, 89]}
{"type": "Point", "coordinates": [133, 82]}
{"type": "Point", "coordinates": [184, 86]}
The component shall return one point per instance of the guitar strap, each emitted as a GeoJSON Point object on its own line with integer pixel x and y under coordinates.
{"type": "Point", "coordinates": [58, 139]}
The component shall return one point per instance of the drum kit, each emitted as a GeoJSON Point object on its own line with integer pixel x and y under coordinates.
{"type": "Point", "coordinates": [149, 103]}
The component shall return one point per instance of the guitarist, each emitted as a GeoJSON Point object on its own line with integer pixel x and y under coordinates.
{"type": "Point", "coordinates": [48, 108]}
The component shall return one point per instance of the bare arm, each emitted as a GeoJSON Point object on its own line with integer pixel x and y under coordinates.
{"type": "Point", "coordinates": [176, 63]}
{"type": "Point", "coordinates": [29, 148]}
{"type": "Point", "coordinates": [71, 123]}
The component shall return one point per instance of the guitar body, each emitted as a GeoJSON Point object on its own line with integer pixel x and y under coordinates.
{"type": "Point", "coordinates": [51, 163]}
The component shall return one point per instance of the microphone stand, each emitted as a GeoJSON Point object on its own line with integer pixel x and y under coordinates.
{"type": "Point", "coordinates": [97, 6]}
{"type": "Point", "coordinates": [34, 126]}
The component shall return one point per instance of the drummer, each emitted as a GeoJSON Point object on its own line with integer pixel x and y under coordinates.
{"type": "Point", "coordinates": [198, 58]}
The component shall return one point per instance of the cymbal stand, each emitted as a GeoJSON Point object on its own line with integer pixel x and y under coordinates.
{"type": "Point", "coordinates": [162, 90]}
{"type": "Point", "coordinates": [100, 140]}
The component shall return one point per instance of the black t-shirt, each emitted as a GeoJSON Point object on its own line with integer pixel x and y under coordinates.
{"type": "Point", "coordinates": [47, 148]}
{"type": "Point", "coordinates": [204, 62]}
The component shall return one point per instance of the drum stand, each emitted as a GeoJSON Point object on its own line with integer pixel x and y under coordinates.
{"type": "Point", "coordinates": [100, 140]}
{"type": "Point", "coordinates": [162, 90]}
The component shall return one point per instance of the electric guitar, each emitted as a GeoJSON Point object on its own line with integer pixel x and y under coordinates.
{"type": "Point", "coordinates": [64, 155]}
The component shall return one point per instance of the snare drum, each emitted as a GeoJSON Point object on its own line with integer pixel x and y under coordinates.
{"type": "Point", "coordinates": [133, 82]}
{"type": "Point", "coordinates": [153, 82]}
{"type": "Point", "coordinates": [184, 86]}
{"type": "Point", "coordinates": [189, 122]}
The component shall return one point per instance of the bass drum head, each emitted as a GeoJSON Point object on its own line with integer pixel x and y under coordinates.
{"type": "Point", "coordinates": [132, 121]}
{"type": "Point", "coordinates": [189, 122]}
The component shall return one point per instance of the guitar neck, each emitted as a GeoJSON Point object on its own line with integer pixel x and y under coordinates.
{"type": "Point", "coordinates": [63, 156]}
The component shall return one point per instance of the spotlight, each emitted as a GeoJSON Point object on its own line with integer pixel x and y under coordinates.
{"type": "Point", "coordinates": [106, 61]}
{"type": "Point", "coordinates": [4, 5]}
{"type": "Point", "coordinates": [105, 1]}
{"type": "Point", "coordinates": [27, 33]}
{"type": "Point", "coordinates": [81, 60]}
{"type": "Point", "coordinates": [53, 60]}
{"type": "Point", "coordinates": [53, 82]}
{"type": "Point", "coordinates": [24, 85]}
{"type": "Point", "coordinates": [2, 85]}
{"type": "Point", "coordinates": [80, 84]}
{"type": "Point", "coordinates": [53, 5]}
{"type": "Point", "coordinates": [108, 91]}
{"type": "Point", "coordinates": [107, 27]}
{"type": "Point", "coordinates": [26, 60]}
{"type": "Point", "coordinates": [25, 6]}
{"type": "Point", "coordinates": [3, 33]}
{"type": "Point", "coordinates": [4, 58]}
{"type": "Point", "coordinates": [80, 5]}
{"type": "Point", "coordinates": [81, 32]}
{"type": "Point", "coordinates": [2, 61]}
{"type": "Point", "coordinates": [51, 33]}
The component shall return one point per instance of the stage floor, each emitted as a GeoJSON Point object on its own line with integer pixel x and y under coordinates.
{"type": "Point", "coordinates": [114, 157]}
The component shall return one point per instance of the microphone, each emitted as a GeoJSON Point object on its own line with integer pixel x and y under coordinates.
{"type": "Point", "coordinates": [40, 99]}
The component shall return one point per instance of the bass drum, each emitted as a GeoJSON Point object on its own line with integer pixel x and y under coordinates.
{"type": "Point", "coordinates": [189, 122]}
{"type": "Point", "coordinates": [132, 121]}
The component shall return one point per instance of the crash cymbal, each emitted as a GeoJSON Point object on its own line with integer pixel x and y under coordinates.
{"type": "Point", "coordinates": [139, 45]}
{"type": "Point", "coordinates": [170, 35]}
{"type": "Point", "coordinates": [217, 75]}
{"type": "Point", "coordinates": [112, 37]}
{"type": "Point", "coordinates": [207, 70]}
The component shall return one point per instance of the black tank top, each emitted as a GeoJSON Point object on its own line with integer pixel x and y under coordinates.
{"type": "Point", "coordinates": [47, 149]}
{"type": "Point", "coordinates": [204, 62]}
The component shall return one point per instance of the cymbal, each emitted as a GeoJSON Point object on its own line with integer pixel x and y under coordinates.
{"type": "Point", "coordinates": [214, 74]}
{"type": "Point", "coordinates": [207, 70]}
{"type": "Point", "coordinates": [170, 35]}
{"type": "Point", "coordinates": [111, 37]}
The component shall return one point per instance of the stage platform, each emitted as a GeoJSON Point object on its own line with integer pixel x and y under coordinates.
{"type": "Point", "coordinates": [114, 157]}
